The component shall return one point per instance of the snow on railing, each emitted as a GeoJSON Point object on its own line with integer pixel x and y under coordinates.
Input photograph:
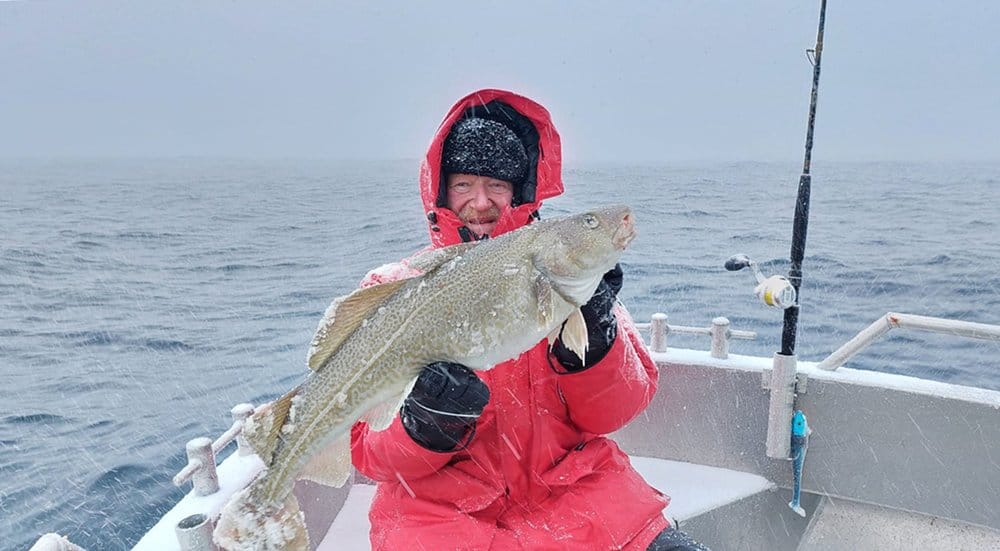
{"type": "Point", "coordinates": [54, 542]}
{"type": "Point", "coordinates": [201, 454]}
{"type": "Point", "coordinates": [719, 331]}
{"type": "Point", "coordinates": [907, 321]}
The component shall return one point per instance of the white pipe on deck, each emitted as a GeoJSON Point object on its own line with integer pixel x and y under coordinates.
{"type": "Point", "coordinates": [194, 533]}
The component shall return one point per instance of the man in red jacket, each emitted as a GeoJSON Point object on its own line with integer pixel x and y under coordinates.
{"type": "Point", "coordinates": [514, 457]}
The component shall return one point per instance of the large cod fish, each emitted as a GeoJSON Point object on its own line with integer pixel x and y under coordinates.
{"type": "Point", "coordinates": [476, 304]}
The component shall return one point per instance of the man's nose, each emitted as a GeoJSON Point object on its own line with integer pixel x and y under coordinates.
{"type": "Point", "coordinates": [480, 199]}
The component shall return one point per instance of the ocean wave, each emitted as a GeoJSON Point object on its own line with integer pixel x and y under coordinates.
{"type": "Point", "coordinates": [124, 477]}
{"type": "Point", "coordinates": [163, 345]}
{"type": "Point", "coordinates": [93, 338]}
{"type": "Point", "coordinates": [109, 338]}
{"type": "Point", "coordinates": [696, 213]}
{"type": "Point", "coordinates": [939, 259]}
{"type": "Point", "coordinates": [36, 418]}
{"type": "Point", "coordinates": [146, 235]}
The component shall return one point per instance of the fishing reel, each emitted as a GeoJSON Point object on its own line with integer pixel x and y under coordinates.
{"type": "Point", "coordinates": [775, 291]}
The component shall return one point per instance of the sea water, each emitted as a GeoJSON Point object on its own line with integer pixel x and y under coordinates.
{"type": "Point", "coordinates": [141, 299]}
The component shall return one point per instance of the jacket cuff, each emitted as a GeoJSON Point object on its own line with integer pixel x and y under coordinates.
{"type": "Point", "coordinates": [604, 369]}
{"type": "Point", "coordinates": [385, 455]}
{"type": "Point", "coordinates": [564, 361]}
{"type": "Point", "coordinates": [603, 398]}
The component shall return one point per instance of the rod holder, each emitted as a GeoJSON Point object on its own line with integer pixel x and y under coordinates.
{"type": "Point", "coordinates": [194, 533]}
{"type": "Point", "coordinates": [779, 413]}
{"type": "Point", "coordinates": [205, 477]}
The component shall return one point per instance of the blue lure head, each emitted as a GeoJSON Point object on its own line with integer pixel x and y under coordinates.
{"type": "Point", "coordinates": [800, 427]}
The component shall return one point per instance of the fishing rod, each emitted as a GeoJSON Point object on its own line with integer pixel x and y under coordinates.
{"type": "Point", "coordinates": [801, 221]}
{"type": "Point", "coordinates": [780, 291]}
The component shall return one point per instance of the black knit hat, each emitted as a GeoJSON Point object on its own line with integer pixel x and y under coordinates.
{"type": "Point", "coordinates": [485, 148]}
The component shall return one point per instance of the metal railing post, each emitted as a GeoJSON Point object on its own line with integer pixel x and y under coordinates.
{"type": "Point", "coordinates": [240, 414]}
{"type": "Point", "coordinates": [720, 338]}
{"type": "Point", "coordinates": [205, 477]}
{"type": "Point", "coordinates": [658, 330]}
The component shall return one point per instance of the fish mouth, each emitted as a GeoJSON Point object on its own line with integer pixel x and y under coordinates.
{"type": "Point", "coordinates": [625, 233]}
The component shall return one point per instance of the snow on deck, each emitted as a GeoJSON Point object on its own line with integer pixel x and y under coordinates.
{"type": "Point", "coordinates": [696, 489]}
{"type": "Point", "coordinates": [693, 490]}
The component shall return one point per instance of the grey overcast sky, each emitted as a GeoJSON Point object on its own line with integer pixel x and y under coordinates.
{"type": "Point", "coordinates": [625, 81]}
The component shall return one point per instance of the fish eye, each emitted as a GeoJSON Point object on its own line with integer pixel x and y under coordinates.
{"type": "Point", "coordinates": [591, 221]}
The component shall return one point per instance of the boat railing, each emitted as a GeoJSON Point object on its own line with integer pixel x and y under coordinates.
{"type": "Point", "coordinates": [201, 452]}
{"type": "Point", "coordinates": [891, 320]}
{"type": "Point", "coordinates": [719, 331]}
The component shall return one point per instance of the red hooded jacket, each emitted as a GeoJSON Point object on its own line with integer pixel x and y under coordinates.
{"type": "Point", "coordinates": [538, 474]}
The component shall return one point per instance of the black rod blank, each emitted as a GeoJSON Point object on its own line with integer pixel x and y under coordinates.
{"type": "Point", "coordinates": [801, 221]}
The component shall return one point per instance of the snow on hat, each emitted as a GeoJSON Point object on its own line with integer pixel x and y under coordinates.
{"type": "Point", "coordinates": [485, 148]}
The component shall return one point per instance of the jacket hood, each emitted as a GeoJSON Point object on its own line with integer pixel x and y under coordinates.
{"type": "Point", "coordinates": [533, 125]}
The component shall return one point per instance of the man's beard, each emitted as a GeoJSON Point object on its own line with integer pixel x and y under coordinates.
{"type": "Point", "coordinates": [469, 215]}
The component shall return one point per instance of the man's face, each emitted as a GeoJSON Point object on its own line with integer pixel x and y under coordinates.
{"type": "Point", "coordinates": [478, 200]}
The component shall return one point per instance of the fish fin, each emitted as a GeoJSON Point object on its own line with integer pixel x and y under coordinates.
{"type": "Point", "coordinates": [574, 334]}
{"type": "Point", "coordinates": [542, 288]}
{"type": "Point", "coordinates": [345, 315]}
{"type": "Point", "coordinates": [332, 465]}
{"type": "Point", "coordinates": [263, 428]}
{"type": "Point", "coordinates": [246, 524]}
{"type": "Point", "coordinates": [382, 415]}
{"type": "Point", "coordinates": [434, 258]}
{"type": "Point", "coordinates": [553, 335]}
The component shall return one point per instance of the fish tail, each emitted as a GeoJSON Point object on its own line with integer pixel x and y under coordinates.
{"type": "Point", "coordinates": [245, 524]}
{"type": "Point", "coordinates": [794, 504]}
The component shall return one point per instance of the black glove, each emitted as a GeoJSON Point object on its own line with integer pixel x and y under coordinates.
{"type": "Point", "coordinates": [440, 413]}
{"type": "Point", "coordinates": [602, 327]}
{"type": "Point", "coordinates": [671, 539]}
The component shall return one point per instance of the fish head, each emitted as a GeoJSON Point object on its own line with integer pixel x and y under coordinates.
{"type": "Point", "coordinates": [800, 427]}
{"type": "Point", "coordinates": [576, 251]}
